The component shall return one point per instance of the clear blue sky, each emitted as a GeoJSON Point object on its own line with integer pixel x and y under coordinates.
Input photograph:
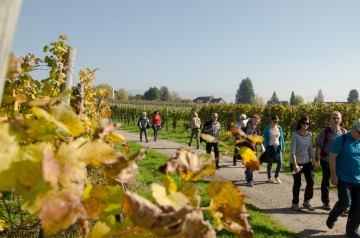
{"type": "Point", "coordinates": [205, 47]}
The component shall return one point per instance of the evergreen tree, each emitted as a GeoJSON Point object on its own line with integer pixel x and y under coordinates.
{"type": "Point", "coordinates": [274, 99]}
{"type": "Point", "coordinates": [319, 97]}
{"type": "Point", "coordinates": [353, 97]}
{"type": "Point", "coordinates": [292, 99]}
{"type": "Point", "coordinates": [152, 93]}
{"type": "Point", "coordinates": [245, 92]}
{"type": "Point", "coordinates": [164, 94]}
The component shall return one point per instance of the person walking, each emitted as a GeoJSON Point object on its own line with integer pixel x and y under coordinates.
{"type": "Point", "coordinates": [156, 123]}
{"type": "Point", "coordinates": [252, 128]}
{"type": "Point", "coordinates": [195, 129]}
{"type": "Point", "coordinates": [345, 174]}
{"type": "Point", "coordinates": [143, 124]}
{"type": "Point", "coordinates": [212, 128]}
{"type": "Point", "coordinates": [241, 124]}
{"type": "Point", "coordinates": [275, 146]}
{"type": "Point", "coordinates": [323, 145]}
{"type": "Point", "coordinates": [302, 162]}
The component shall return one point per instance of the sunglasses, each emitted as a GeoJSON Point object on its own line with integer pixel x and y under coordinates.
{"type": "Point", "coordinates": [305, 123]}
{"type": "Point", "coordinates": [275, 121]}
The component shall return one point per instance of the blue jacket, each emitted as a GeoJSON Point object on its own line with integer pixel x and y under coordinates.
{"type": "Point", "coordinates": [267, 137]}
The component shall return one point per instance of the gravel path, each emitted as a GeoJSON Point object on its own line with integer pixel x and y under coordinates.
{"type": "Point", "coordinates": [274, 199]}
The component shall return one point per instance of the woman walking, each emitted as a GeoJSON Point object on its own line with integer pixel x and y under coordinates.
{"type": "Point", "coordinates": [156, 123]}
{"type": "Point", "coordinates": [302, 162]}
{"type": "Point", "coordinates": [274, 144]}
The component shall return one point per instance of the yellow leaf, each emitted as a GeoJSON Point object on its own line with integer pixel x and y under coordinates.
{"type": "Point", "coordinates": [208, 138]}
{"type": "Point", "coordinates": [97, 153]}
{"type": "Point", "coordinates": [2, 225]}
{"type": "Point", "coordinates": [228, 209]}
{"type": "Point", "coordinates": [175, 200]}
{"type": "Point", "coordinates": [60, 48]}
{"type": "Point", "coordinates": [256, 139]}
{"type": "Point", "coordinates": [249, 158]}
{"type": "Point", "coordinates": [64, 114]}
{"type": "Point", "coordinates": [100, 230]}
{"type": "Point", "coordinates": [170, 184]}
{"type": "Point", "coordinates": [96, 202]}
{"type": "Point", "coordinates": [63, 37]}
{"type": "Point", "coordinates": [9, 147]}
{"type": "Point", "coordinates": [191, 192]}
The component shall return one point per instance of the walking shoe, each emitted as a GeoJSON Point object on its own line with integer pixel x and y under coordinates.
{"type": "Point", "coordinates": [330, 224]}
{"type": "Point", "coordinates": [249, 184]}
{"type": "Point", "coordinates": [307, 205]}
{"type": "Point", "coordinates": [326, 206]}
{"type": "Point", "coordinates": [218, 166]}
{"type": "Point", "coordinates": [353, 234]}
{"type": "Point", "coordinates": [277, 180]}
{"type": "Point", "coordinates": [147, 141]}
{"type": "Point", "coordinates": [189, 144]}
{"type": "Point", "coordinates": [345, 213]}
{"type": "Point", "coordinates": [234, 163]}
{"type": "Point", "coordinates": [295, 207]}
{"type": "Point", "coordinates": [270, 180]}
{"type": "Point", "coordinates": [197, 147]}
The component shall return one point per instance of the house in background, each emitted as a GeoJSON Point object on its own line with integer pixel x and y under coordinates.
{"type": "Point", "coordinates": [209, 99]}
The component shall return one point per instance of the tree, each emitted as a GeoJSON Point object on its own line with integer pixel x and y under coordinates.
{"type": "Point", "coordinates": [259, 100]}
{"type": "Point", "coordinates": [274, 99]}
{"type": "Point", "coordinates": [164, 94]}
{"type": "Point", "coordinates": [175, 97]}
{"type": "Point", "coordinates": [245, 92]}
{"type": "Point", "coordinates": [319, 97]}
{"type": "Point", "coordinates": [122, 95]}
{"type": "Point", "coordinates": [299, 100]}
{"type": "Point", "coordinates": [353, 97]}
{"type": "Point", "coordinates": [152, 93]}
{"type": "Point", "coordinates": [292, 99]}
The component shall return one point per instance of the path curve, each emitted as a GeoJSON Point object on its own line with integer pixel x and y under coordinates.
{"type": "Point", "coordinates": [274, 199]}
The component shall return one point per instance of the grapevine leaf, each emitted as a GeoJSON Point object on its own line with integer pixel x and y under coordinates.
{"type": "Point", "coordinates": [97, 153]}
{"type": "Point", "coordinates": [96, 202]}
{"type": "Point", "coordinates": [41, 113]}
{"type": "Point", "coordinates": [191, 166]}
{"type": "Point", "coordinates": [63, 37]}
{"type": "Point", "coordinates": [170, 184]}
{"type": "Point", "coordinates": [208, 138]}
{"type": "Point", "coordinates": [191, 192]}
{"type": "Point", "coordinates": [9, 147]}
{"type": "Point", "coordinates": [249, 158]}
{"type": "Point", "coordinates": [228, 209]}
{"type": "Point", "coordinates": [51, 168]}
{"type": "Point", "coordinates": [2, 225]}
{"type": "Point", "coordinates": [64, 114]}
{"type": "Point", "coordinates": [100, 230]}
{"type": "Point", "coordinates": [182, 223]}
{"type": "Point", "coordinates": [115, 137]}
{"type": "Point", "coordinates": [175, 200]}
{"type": "Point", "coordinates": [61, 210]}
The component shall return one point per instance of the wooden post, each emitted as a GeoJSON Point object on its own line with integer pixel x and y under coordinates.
{"type": "Point", "coordinates": [69, 71]}
{"type": "Point", "coordinates": [9, 12]}
{"type": "Point", "coordinates": [81, 87]}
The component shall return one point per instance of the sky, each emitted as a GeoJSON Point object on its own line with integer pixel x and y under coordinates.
{"type": "Point", "coordinates": [205, 47]}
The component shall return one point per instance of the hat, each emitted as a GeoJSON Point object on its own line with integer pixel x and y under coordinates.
{"type": "Point", "coordinates": [356, 124]}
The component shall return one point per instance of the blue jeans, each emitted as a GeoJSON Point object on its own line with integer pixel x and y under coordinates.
{"type": "Point", "coordinates": [349, 195]}
{"type": "Point", "coordinates": [278, 167]}
{"type": "Point", "coordinates": [248, 174]}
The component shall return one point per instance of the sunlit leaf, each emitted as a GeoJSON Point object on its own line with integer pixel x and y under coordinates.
{"type": "Point", "coordinates": [228, 209]}
{"type": "Point", "coordinates": [9, 147]}
{"type": "Point", "coordinates": [191, 166]}
{"type": "Point", "coordinates": [64, 114]}
{"type": "Point", "coordinates": [97, 153]}
{"type": "Point", "coordinates": [100, 230]}
{"type": "Point", "coordinates": [182, 223]}
{"type": "Point", "coordinates": [174, 200]}
{"type": "Point", "coordinates": [169, 184]}
{"type": "Point", "coordinates": [208, 138]}
{"type": "Point", "coordinates": [191, 192]}
{"type": "Point", "coordinates": [63, 37]}
{"type": "Point", "coordinates": [2, 225]}
{"type": "Point", "coordinates": [249, 158]}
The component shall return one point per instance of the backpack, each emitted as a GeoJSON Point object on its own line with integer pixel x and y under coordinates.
{"type": "Point", "coordinates": [327, 132]}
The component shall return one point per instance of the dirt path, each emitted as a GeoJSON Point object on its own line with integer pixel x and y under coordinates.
{"type": "Point", "coordinates": [274, 199]}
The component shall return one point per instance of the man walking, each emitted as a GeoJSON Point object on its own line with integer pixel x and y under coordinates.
{"type": "Point", "coordinates": [345, 173]}
{"type": "Point", "coordinates": [212, 128]}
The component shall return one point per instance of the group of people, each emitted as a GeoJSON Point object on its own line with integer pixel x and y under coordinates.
{"type": "Point", "coordinates": [144, 124]}
{"type": "Point", "coordinates": [337, 152]}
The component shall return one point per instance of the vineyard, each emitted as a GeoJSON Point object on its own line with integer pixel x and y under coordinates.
{"type": "Point", "coordinates": [175, 117]}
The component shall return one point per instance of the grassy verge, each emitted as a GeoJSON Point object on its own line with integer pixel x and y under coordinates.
{"type": "Point", "coordinates": [148, 173]}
